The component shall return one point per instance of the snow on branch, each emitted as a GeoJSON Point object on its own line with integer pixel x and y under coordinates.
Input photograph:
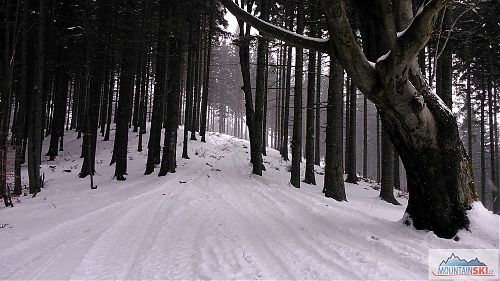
{"type": "Point", "coordinates": [277, 32]}
{"type": "Point", "coordinates": [417, 34]}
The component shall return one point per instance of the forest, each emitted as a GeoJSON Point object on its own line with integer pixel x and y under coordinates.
{"type": "Point", "coordinates": [401, 94]}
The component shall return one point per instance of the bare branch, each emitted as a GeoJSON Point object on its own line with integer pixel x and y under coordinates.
{"type": "Point", "coordinates": [291, 38]}
{"type": "Point", "coordinates": [347, 49]}
{"type": "Point", "coordinates": [415, 37]}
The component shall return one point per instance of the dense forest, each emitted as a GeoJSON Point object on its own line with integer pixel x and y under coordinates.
{"type": "Point", "coordinates": [403, 94]}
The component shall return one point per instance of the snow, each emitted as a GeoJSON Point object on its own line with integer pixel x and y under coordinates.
{"type": "Point", "coordinates": [212, 220]}
{"type": "Point", "coordinates": [419, 11]}
{"type": "Point", "coordinates": [383, 57]}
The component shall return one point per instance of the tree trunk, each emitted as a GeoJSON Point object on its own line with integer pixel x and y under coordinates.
{"type": "Point", "coordinates": [60, 99]}
{"type": "Point", "coordinates": [286, 106]}
{"type": "Point", "coordinates": [492, 129]}
{"type": "Point", "coordinates": [244, 56]}
{"type": "Point", "coordinates": [334, 168]}
{"type": "Point", "coordinates": [483, 154]}
{"type": "Point", "coordinates": [469, 115]}
{"type": "Point", "coordinates": [206, 84]}
{"type": "Point", "coordinates": [265, 134]}
{"type": "Point", "coordinates": [159, 92]}
{"type": "Point", "coordinates": [297, 104]}
{"type": "Point", "coordinates": [397, 177]}
{"type": "Point", "coordinates": [317, 132]}
{"type": "Point", "coordinates": [137, 93]}
{"type": "Point", "coordinates": [378, 149]}
{"type": "Point", "coordinates": [196, 69]}
{"type": "Point", "coordinates": [387, 182]}
{"type": "Point", "coordinates": [352, 176]}
{"type": "Point", "coordinates": [35, 127]}
{"type": "Point", "coordinates": [110, 94]}
{"type": "Point", "coordinates": [90, 103]}
{"type": "Point", "coordinates": [123, 113]}
{"type": "Point", "coordinates": [423, 130]}
{"type": "Point", "coordinates": [310, 136]}
{"type": "Point", "coordinates": [260, 89]}
{"type": "Point", "coordinates": [188, 109]}
{"type": "Point", "coordinates": [347, 119]}
{"type": "Point", "coordinates": [365, 138]}
{"type": "Point", "coordinates": [168, 162]}
{"type": "Point", "coordinates": [27, 72]}
{"type": "Point", "coordinates": [496, 193]}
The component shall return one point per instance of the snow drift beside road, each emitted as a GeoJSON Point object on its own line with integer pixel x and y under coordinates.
{"type": "Point", "coordinates": [212, 220]}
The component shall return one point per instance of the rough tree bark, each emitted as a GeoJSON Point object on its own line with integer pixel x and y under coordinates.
{"type": "Point", "coordinates": [297, 104]}
{"type": "Point", "coordinates": [90, 102]}
{"type": "Point", "coordinates": [244, 56]}
{"type": "Point", "coordinates": [206, 83]}
{"type": "Point", "coordinates": [352, 176]}
{"type": "Point", "coordinates": [188, 107]}
{"type": "Point", "coordinates": [286, 105]}
{"type": "Point", "coordinates": [126, 93]}
{"type": "Point", "coordinates": [168, 162]}
{"type": "Point", "coordinates": [158, 95]}
{"type": "Point", "coordinates": [317, 132]}
{"type": "Point", "coordinates": [387, 181]}
{"type": "Point", "coordinates": [311, 92]}
{"type": "Point", "coordinates": [260, 88]}
{"type": "Point", "coordinates": [421, 127]}
{"type": "Point", "coordinates": [334, 168]}
{"type": "Point", "coordinates": [35, 124]}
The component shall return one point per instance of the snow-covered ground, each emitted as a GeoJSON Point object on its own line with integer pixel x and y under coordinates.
{"type": "Point", "coordinates": [211, 220]}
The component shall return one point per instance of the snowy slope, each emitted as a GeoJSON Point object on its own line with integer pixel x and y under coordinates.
{"type": "Point", "coordinates": [212, 220]}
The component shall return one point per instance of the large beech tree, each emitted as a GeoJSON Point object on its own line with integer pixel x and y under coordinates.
{"type": "Point", "coordinates": [421, 127]}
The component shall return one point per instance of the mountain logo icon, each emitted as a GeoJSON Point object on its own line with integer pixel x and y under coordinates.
{"type": "Point", "coordinates": [467, 264]}
{"type": "Point", "coordinates": [454, 260]}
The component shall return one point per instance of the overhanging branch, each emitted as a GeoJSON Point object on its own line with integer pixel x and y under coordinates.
{"type": "Point", "coordinates": [289, 37]}
{"type": "Point", "coordinates": [347, 48]}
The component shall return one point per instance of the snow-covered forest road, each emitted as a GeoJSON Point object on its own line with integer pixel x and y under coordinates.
{"type": "Point", "coordinates": [212, 220]}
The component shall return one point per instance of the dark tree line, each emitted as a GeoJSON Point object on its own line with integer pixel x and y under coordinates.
{"type": "Point", "coordinates": [88, 66]}
{"type": "Point", "coordinates": [91, 66]}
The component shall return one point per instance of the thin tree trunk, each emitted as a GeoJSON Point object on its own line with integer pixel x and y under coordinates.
{"type": "Point", "coordinates": [365, 137]}
{"type": "Point", "coordinates": [159, 92]}
{"type": "Point", "coordinates": [297, 105]}
{"type": "Point", "coordinates": [206, 83]}
{"type": "Point", "coordinates": [317, 132]}
{"type": "Point", "coordinates": [310, 136]}
{"type": "Point", "coordinates": [110, 94]}
{"type": "Point", "coordinates": [197, 65]}
{"type": "Point", "coordinates": [286, 106]}
{"type": "Point", "coordinates": [189, 91]}
{"type": "Point", "coordinates": [469, 114]}
{"type": "Point", "coordinates": [387, 182]}
{"type": "Point", "coordinates": [483, 154]}
{"type": "Point", "coordinates": [264, 106]}
{"type": "Point", "coordinates": [397, 177]}
{"type": "Point", "coordinates": [492, 129]}
{"type": "Point", "coordinates": [352, 176]}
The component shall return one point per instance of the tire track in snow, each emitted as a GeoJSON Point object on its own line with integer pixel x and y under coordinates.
{"type": "Point", "coordinates": [310, 243]}
{"type": "Point", "coordinates": [46, 252]}
{"type": "Point", "coordinates": [118, 252]}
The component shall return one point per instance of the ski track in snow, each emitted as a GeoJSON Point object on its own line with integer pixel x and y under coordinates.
{"type": "Point", "coordinates": [212, 220]}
